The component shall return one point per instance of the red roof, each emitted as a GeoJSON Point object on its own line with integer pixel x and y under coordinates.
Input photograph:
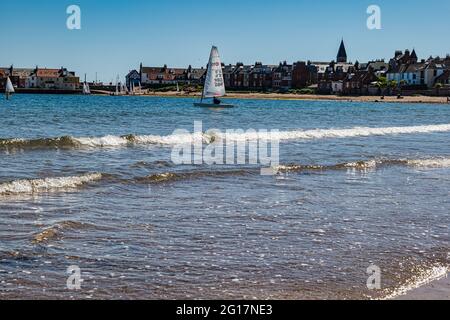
{"type": "Point", "coordinates": [163, 73]}
{"type": "Point", "coordinates": [47, 73]}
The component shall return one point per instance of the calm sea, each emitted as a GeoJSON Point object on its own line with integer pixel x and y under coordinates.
{"type": "Point", "coordinates": [89, 182]}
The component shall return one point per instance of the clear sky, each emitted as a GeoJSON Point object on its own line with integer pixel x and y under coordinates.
{"type": "Point", "coordinates": [117, 35]}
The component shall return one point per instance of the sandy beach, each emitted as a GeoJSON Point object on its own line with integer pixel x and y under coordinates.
{"type": "Point", "coordinates": [311, 97]}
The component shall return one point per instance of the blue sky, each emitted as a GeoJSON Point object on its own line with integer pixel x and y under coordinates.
{"type": "Point", "coordinates": [117, 35]}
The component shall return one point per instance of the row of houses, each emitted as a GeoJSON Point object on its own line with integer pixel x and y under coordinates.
{"type": "Point", "coordinates": [151, 76]}
{"type": "Point", "coordinates": [404, 67]}
{"type": "Point", "coordinates": [40, 78]}
{"type": "Point", "coordinates": [237, 76]}
{"type": "Point", "coordinates": [338, 76]}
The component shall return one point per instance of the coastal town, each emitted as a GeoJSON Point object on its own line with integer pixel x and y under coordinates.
{"type": "Point", "coordinates": [403, 74]}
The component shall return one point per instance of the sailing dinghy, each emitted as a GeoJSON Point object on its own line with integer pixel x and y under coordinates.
{"type": "Point", "coordinates": [9, 89]}
{"type": "Point", "coordinates": [86, 89]}
{"type": "Point", "coordinates": [214, 83]}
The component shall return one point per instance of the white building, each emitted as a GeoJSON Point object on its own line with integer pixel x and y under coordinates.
{"type": "Point", "coordinates": [424, 73]}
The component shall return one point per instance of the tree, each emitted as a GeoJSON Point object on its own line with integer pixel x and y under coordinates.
{"type": "Point", "coordinates": [382, 85]}
{"type": "Point", "coordinates": [393, 84]}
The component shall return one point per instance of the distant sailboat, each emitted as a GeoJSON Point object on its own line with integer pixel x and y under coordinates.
{"type": "Point", "coordinates": [135, 91]}
{"type": "Point", "coordinates": [178, 88]}
{"type": "Point", "coordinates": [214, 83]}
{"type": "Point", "coordinates": [86, 89]}
{"type": "Point", "coordinates": [9, 88]}
{"type": "Point", "coordinates": [119, 88]}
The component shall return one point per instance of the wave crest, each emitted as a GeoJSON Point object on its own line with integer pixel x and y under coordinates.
{"type": "Point", "coordinates": [189, 138]}
{"type": "Point", "coordinates": [47, 184]}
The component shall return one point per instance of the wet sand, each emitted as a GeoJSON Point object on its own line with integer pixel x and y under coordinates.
{"type": "Point", "coordinates": [436, 290]}
{"type": "Point", "coordinates": [312, 97]}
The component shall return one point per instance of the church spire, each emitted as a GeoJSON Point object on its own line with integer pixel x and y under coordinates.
{"type": "Point", "coordinates": [342, 54]}
{"type": "Point", "coordinates": [414, 55]}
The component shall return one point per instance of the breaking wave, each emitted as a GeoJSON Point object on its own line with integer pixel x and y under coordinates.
{"type": "Point", "coordinates": [369, 164]}
{"type": "Point", "coordinates": [189, 138]}
{"type": "Point", "coordinates": [47, 184]}
{"type": "Point", "coordinates": [431, 163]}
{"type": "Point", "coordinates": [339, 133]}
{"type": "Point", "coordinates": [31, 186]}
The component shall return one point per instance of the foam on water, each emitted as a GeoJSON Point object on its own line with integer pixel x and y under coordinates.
{"type": "Point", "coordinates": [43, 185]}
{"type": "Point", "coordinates": [189, 138]}
{"type": "Point", "coordinates": [116, 141]}
{"type": "Point", "coordinates": [369, 164]}
{"type": "Point", "coordinates": [431, 163]}
{"type": "Point", "coordinates": [252, 136]}
{"type": "Point", "coordinates": [337, 133]}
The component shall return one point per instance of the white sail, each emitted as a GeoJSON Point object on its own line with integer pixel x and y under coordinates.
{"type": "Point", "coordinates": [9, 86]}
{"type": "Point", "coordinates": [214, 83]}
{"type": "Point", "coordinates": [86, 89]}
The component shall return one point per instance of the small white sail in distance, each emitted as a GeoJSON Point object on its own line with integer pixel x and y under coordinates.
{"type": "Point", "coordinates": [214, 83]}
{"type": "Point", "coordinates": [9, 86]}
{"type": "Point", "coordinates": [86, 89]}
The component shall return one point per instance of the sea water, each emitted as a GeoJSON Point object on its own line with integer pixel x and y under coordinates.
{"type": "Point", "coordinates": [89, 181]}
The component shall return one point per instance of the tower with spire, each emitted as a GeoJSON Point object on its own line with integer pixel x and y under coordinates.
{"type": "Point", "coordinates": [342, 54]}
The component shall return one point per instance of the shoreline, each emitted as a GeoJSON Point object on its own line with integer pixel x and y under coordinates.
{"type": "Point", "coordinates": [271, 96]}
{"type": "Point", "coordinates": [309, 97]}
{"type": "Point", "coordinates": [435, 290]}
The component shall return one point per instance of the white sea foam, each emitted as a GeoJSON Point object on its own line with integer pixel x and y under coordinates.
{"type": "Point", "coordinates": [430, 163]}
{"type": "Point", "coordinates": [42, 185]}
{"type": "Point", "coordinates": [115, 141]}
{"type": "Point", "coordinates": [338, 133]}
{"type": "Point", "coordinates": [362, 164]}
{"type": "Point", "coordinates": [106, 141]}
{"type": "Point", "coordinates": [427, 276]}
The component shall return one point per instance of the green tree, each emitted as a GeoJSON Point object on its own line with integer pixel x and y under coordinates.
{"type": "Point", "coordinates": [393, 84]}
{"type": "Point", "coordinates": [382, 84]}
